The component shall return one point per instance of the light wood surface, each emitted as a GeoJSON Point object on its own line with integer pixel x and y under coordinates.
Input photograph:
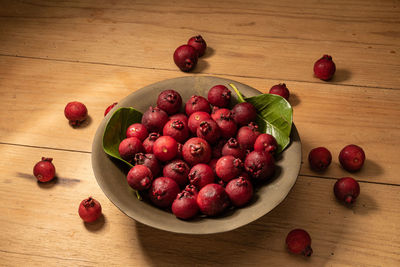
{"type": "Point", "coordinates": [97, 52]}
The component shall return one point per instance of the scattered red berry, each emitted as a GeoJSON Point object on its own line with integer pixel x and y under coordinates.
{"type": "Point", "coordinates": [324, 68]}
{"type": "Point", "coordinates": [89, 210]}
{"type": "Point", "coordinates": [346, 189]}
{"type": "Point", "coordinates": [281, 90]}
{"type": "Point", "coordinates": [319, 158]}
{"type": "Point", "coordinates": [298, 241]}
{"type": "Point", "coordinates": [185, 57]}
{"type": "Point", "coordinates": [198, 43]}
{"type": "Point", "coordinates": [44, 170]}
{"type": "Point", "coordinates": [75, 112]}
{"type": "Point", "coordinates": [352, 158]}
{"type": "Point", "coordinates": [110, 107]}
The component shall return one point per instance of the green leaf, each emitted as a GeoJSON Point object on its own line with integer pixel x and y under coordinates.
{"type": "Point", "coordinates": [274, 116]}
{"type": "Point", "coordinates": [115, 130]}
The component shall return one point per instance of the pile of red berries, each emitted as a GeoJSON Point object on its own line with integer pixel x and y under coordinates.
{"type": "Point", "coordinates": [205, 159]}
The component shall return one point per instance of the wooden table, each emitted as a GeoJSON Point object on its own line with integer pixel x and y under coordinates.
{"type": "Point", "coordinates": [97, 52]}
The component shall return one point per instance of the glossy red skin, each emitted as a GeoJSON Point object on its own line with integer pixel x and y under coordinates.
{"type": "Point", "coordinates": [228, 168]}
{"type": "Point", "coordinates": [259, 165]}
{"type": "Point", "coordinates": [209, 131]}
{"type": "Point", "coordinates": [170, 101]}
{"type": "Point", "coordinates": [178, 170]}
{"type": "Point", "coordinates": [201, 175]}
{"type": "Point", "coordinates": [197, 103]}
{"type": "Point", "coordinates": [185, 205]}
{"type": "Point", "coordinates": [220, 112]}
{"type": "Point", "coordinates": [244, 113]}
{"type": "Point", "coordinates": [148, 160]}
{"type": "Point", "coordinates": [198, 43]}
{"type": "Point", "coordinates": [232, 147]}
{"type": "Point", "coordinates": [346, 189]}
{"type": "Point", "coordinates": [165, 148]}
{"type": "Point", "coordinates": [139, 177]}
{"type": "Point", "coordinates": [195, 119]}
{"type": "Point", "coordinates": [219, 96]}
{"type": "Point", "coordinates": [319, 158]}
{"type": "Point", "coordinates": [179, 116]}
{"type": "Point", "coordinates": [227, 127]}
{"type": "Point", "coordinates": [154, 119]}
{"type": "Point", "coordinates": [137, 130]}
{"type": "Point", "coordinates": [213, 200]}
{"type": "Point", "coordinates": [266, 142]}
{"type": "Point", "coordinates": [247, 135]}
{"type": "Point", "coordinates": [240, 191]}
{"type": "Point", "coordinates": [324, 68]}
{"type": "Point", "coordinates": [177, 129]}
{"type": "Point", "coordinates": [281, 90]}
{"type": "Point", "coordinates": [110, 107]}
{"type": "Point", "coordinates": [196, 150]}
{"type": "Point", "coordinates": [76, 112]}
{"type": "Point", "coordinates": [149, 142]}
{"type": "Point", "coordinates": [163, 192]}
{"type": "Point", "coordinates": [185, 57]}
{"type": "Point", "coordinates": [129, 147]}
{"type": "Point", "coordinates": [44, 170]}
{"type": "Point", "coordinates": [298, 241]}
{"type": "Point", "coordinates": [352, 158]}
{"type": "Point", "coordinates": [89, 210]}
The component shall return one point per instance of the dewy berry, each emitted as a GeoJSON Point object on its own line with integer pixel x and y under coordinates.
{"type": "Point", "coordinates": [244, 113]}
{"type": "Point", "coordinates": [227, 125]}
{"type": "Point", "coordinates": [89, 210]}
{"type": "Point", "coordinates": [281, 90]}
{"type": "Point", "coordinates": [110, 107]}
{"type": "Point", "coordinates": [346, 189]}
{"type": "Point", "coordinates": [218, 113]}
{"type": "Point", "coordinates": [209, 130]}
{"type": "Point", "coordinates": [163, 192]}
{"type": "Point", "coordinates": [352, 158]}
{"type": "Point", "coordinates": [247, 135]}
{"type": "Point", "coordinates": [185, 205]}
{"type": "Point", "coordinates": [148, 160]}
{"type": "Point", "coordinates": [213, 200]}
{"type": "Point", "coordinates": [298, 241]}
{"type": "Point", "coordinates": [179, 116]}
{"type": "Point", "coordinates": [324, 68]}
{"type": "Point", "coordinates": [139, 177]}
{"type": "Point", "coordinates": [178, 170]}
{"type": "Point", "coordinates": [165, 148]}
{"type": "Point", "coordinates": [233, 148]}
{"type": "Point", "coordinates": [201, 175]}
{"type": "Point", "coordinates": [198, 43]}
{"type": "Point", "coordinates": [228, 168]}
{"type": "Point", "coordinates": [177, 129]}
{"type": "Point", "coordinates": [319, 158]}
{"type": "Point", "coordinates": [129, 147]}
{"type": "Point", "coordinates": [196, 150]}
{"type": "Point", "coordinates": [219, 96]}
{"type": "Point", "coordinates": [154, 119]}
{"type": "Point", "coordinates": [185, 57]}
{"type": "Point", "coordinates": [265, 142]}
{"type": "Point", "coordinates": [137, 130]}
{"type": "Point", "coordinates": [149, 141]}
{"type": "Point", "coordinates": [44, 170]}
{"type": "Point", "coordinates": [170, 101]}
{"type": "Point", "coordinates": [240, 191]}
{"type": "Point", "coordinates": [197, 103]}
{"type": "Point", "coordinates": [195, 119]}
{"type": "Point", "coordinates": [76, 112]}
{"type": "Point", "coordinates": [259, 165]}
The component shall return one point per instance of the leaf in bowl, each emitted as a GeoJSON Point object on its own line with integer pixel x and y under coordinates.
{"type": "Point", "coordinates": [274, 116]}
{"type": "Point", "coordinates": [115, 130]}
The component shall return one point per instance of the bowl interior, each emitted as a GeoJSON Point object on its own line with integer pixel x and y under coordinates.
{"type": "Point", "coordinates": [111, 174]}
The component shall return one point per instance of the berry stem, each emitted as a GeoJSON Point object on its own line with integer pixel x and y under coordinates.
{"type": "Point", "coordinates": [308, 251]}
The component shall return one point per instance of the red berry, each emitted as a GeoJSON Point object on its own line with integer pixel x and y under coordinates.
{"type": "Point", "coordinates": [149, 141]}
{"type": "Point", "coordinates": [201, 175]}
{"type": "Point", "coordinates": [281, 90]}
{"type": "Point", "coordinates": [212, 199]}
{"type": "Point", "coordinates": [110, 107]}
{"type": "Point", "coordinates": [129, 147]}
{"type": "Point", "coordinates": [44, 170]}
{"type": "Point", "coordinates": [179, 116]}
{"type": "Point", "coordinates": [178, 170]}
{"type": "Point", "coordinates": [247, 135]}
{"type": "Point", "coordinates": [89, 210]}
{"type": "Point", "coordinates": [163, 192]}
{"type": "Point", "coordinates": [154, 119]}
{"type": "Point", "coordinates": [185, 57]}
{"type": "Point", "coordinates": [218, 113]}
{"type": "Point", "coordinates": [352, 158]}
{"type": "Point", "coordinates": [75, 112]}
{"type": "Point", "coordinates": [197, 103]}
{"type": "Point", "coordinates": [198, 43]}
{"type": "Point", "coordinates": [240, 191]}
{"type": "Point", "coordinates": [137, 130]}
{"type": "Point", "coordinates": [233, 148]}
{"type": "Point", "coordinates": [209, 130]}
{"type": "Point", "coordinates": [177, 129]}
{"type": "Point", "coordinates": [324, 68]}
{"type": "Point", "coordinates": [259, 165]}
{"type": "Point", "coordinates": [139, 177]}
{"type": "Point", "coordinates": [227, 125]}
{"type": "Point", "coordinates": [185, 205]}
{"type": "Point", "coordinates": [170, 101]}
{"type": "Point", "coordinates": [228, 168]}
{"type": "Point", "coordinates": [346, 189]}
{"type": "Point", "coordinates": [148, 160]}
{"type": "Point", "coordinates": [298, 241]}
{"type": "Point", "coordinates": [265, 142]}
{"type": "Point", "coordinates": [196, 150]}
{"type": "Point", "coordinates": [319, 158]}
{"type": "Point", "coordinates": [219, 96]}
{"type": "Point", "coordinates": [244, 113]}
{"type": "Point", "coordinates": [165, 148]}
{"type": "Point", "coordinates": [196, 118]}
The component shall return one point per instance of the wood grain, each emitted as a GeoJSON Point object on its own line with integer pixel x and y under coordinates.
{"type": "Point", "coordinates": [261, 39]}
{"type": "Point", "coordinates": [328, 116]}
{"type": "Point", "coordinates": [54, 234]}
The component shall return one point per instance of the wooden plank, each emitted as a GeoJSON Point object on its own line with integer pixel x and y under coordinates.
{"type": "Point", "coordinates": [261, 39]}
{"type": "Point", "coordinates": [35, 93]}
{"type": "Point", "coordinates": [42, 222]}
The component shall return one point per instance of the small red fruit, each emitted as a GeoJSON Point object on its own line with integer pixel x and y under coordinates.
{"type": "Point", "coordinates": [185, 57]}
{"type": "Point", "coordinates": [149, 141]}
{"type": "Point", "coordinates": [165, 148]}
{"type": "Point", "coordinates": [196, 150]}
{"type": "Point", "coordinates": [110, 107]}
{"type": "Point", "coordinates": [209, 130]}
{"type": "Point", "coordinates": [228, 168]}
{"type": "Point", "coordinates": [240, 191]}
{"type": "Point", "coordinates": [212, 199]}
{"type": "Point", "coordinates": [346, 189]}
{"type": "Point", "coordinates": [89, 210]}
{"type": "Point", "coordinates": [163, 192]}
{"type": "Point", "coordinates": [259, 165]}
{"type": "Point", "coordinates": [219, 96]}
{"type": "Point", "coordinates": [137, 130]}
{"type": "Point", "coordinates": [199, 44]}
{"type": "Point", "coordinates": [227, 125]}
{"type": "Point", "coordinates": [154, 119]}
{"type": "Point", "coordinates": [201, 175]}
{"type": "Point", "coordinates": [177, 129]}
{"type": "Point", "coordinates": [244, 113]}
{"type": "Point", "coordinates": [177, 170]}
{"type": "Point", "coordinates": [196, 118]}
{"type": "Point", "coordinates": [129, 147]}
{"type": "Point", "coordinates": [352, 158]}
{"type": "Point", "coordinates": [298, 241]}
{"type": "Point", "coordinates": [247, 135]}
{"type": "Point", "coordinates": [319, 158]}
{"type": "Point", "coordinates": [233, 148]}
{"type": "Point", "coordinates": [148, 160]}
{"type": "Point", "coordinates": [324, 68]}
{"type": "Point", "coordinates": [75, 112]}
{"type": "Point", "coordinates": [265, 142]}
{"type": "Point", "coordinates": [179, 116]}
{"type": "Point", "coordinates": [44, 170]}
{"type": "Point", "coordinates": [281, 90]}
{"type": "Point", "coordinates": [170, 101]}
{"type": "Point", "coordinates": [185, 205]}
{"type": "Point", "coordinates": [139, 177]}
{"type": "Point", "coordinates": [197, 103]}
